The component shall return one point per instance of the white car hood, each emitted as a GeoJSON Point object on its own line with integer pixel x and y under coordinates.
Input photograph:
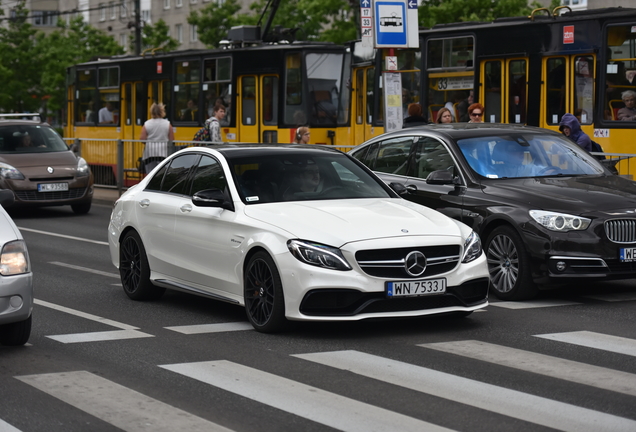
{"type": "Point", "coordinates": [337, 222]}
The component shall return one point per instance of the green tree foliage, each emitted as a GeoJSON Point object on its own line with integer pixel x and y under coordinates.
{"type": "Point", "coordinates": [213, 22]}
{"type": "Point", "coordinates": [70, 44]}
{"type": "Point", "coordinates": [19, 64]}
{"type": "Point", "coordinates": [156, 36]}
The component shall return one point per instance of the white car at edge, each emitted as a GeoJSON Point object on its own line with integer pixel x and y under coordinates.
{"type": "Point", "coordinates": [292, 233]}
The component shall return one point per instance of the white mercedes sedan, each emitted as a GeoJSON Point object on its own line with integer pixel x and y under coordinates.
{"type": "Point", "coordinates": [292, 233]}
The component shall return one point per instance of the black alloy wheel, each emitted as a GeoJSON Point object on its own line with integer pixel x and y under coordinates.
{"type": "Point", "coordinates": [263, 290]}
{"type": "Point", "coordinates": [134, 269]}
{"type": "Point", "coordinates": [509, 265]}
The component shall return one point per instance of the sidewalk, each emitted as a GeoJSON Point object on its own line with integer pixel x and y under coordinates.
{"type": "Point", "coordinates": [106, 196]}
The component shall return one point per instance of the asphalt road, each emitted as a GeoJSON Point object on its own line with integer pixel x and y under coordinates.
{"type": "Point", "coordinates": [97, 361]}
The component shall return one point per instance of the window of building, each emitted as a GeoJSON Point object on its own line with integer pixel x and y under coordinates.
{"type": "Point", "coordinates": [194, 36]}
{"type": "Point", "coordinates": [179, 32]}
{"type": "Point", "coordinates": [102, 12]}
{"type": "Point", "coordinates": [43, 18]}
{"type": "Point", "coordinates": [178, 3]}
{"type": "Point", "coordinates": [122, 10]}
{"type": "Point", "coordinates": [166, 4]}
{"type": "Point", "coordinates": [123, 41]}
{"type": "Point", "coordinates": [113, 10]}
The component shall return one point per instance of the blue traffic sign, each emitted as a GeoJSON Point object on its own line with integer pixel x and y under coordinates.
{"type": "Point", "coordinates": [390, 23]}
{"type": "Point", "coordinates": [365, 3]}
{"type": "Point", "coordinates": [412, 4]}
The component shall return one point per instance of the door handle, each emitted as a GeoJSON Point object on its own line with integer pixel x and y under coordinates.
{"type": "Point", "coordinates": [186, 208]}
{"type": "Point", "coordinates": [411, 188]}
{"type": "Point", "coordinates": [144, 203]}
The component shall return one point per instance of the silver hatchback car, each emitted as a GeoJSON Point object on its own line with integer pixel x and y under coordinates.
{"type": "Point", "coordinates": [16, 280]}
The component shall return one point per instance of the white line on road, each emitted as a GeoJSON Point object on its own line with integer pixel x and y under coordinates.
{"type": "Point", "coordinates": [211, 328]}
{"type": "Point", "coordinates": [85, 315]}
{"type": "Point", "coordinates": [533, 304]}
{"type": "Point", "coordinates": [512, 403]}
{"type": "Point", "coordinates": [63, 236]}
{"type": "Point", "coordinates": [6, 427]}
{"type": "Point", "coordinates": [299, 399]}
{"type": "Point", "coordinates": [85, 269]}
{"type": "Point", "coordinates": [595, 376]}
{"type": "Point", "coordinates": [117, 405]}
{"type": "Point", "coordinates": [600, 341]}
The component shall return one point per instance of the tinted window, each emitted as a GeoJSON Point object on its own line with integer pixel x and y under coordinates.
{"type": "Point", "coordinates": [157, 179]}
{"type": "Point", "coordinates": [393, 155]}
{"type": "Point", "coordinates": [431, 155]}
{"type": "Point", "coordinates": [208, 175]}
{"type": "Point", "coordinates": [175, 177]}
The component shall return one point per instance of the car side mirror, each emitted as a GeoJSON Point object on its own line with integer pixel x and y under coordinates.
{"type": "Point", "coordinates": [440, 177]}
{"type": "Point", "coordinates": [212, 198]}
{"type": "Point", "coordinates": [399, 188]}
{"type": "Point", "coordinates": [6, 197]}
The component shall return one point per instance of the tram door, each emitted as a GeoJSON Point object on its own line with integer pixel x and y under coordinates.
{"type": "Point", "coordinates": [568, 87]}
{"type": "Point", "coordinates": [363, 94]}
{"type": "Point", "coordinates": [257, 109]}
{"type": "Point", "coordinates": [134, 109]}
{"type": "Point", "coordinates": [504, 90]}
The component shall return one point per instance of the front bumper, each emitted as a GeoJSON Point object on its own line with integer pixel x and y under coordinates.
{"type": "Point", "coordinates": [16, 298]}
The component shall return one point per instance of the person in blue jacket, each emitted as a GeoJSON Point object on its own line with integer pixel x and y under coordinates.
{"type": "Point", "coordinates": [571, 128]}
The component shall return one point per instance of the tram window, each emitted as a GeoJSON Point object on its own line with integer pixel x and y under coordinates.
{"type": "Point", "coordinates": [323, 80]}
{"type": "Point", "coordinates": [217, 75]}
{"type": "Point", "coordinates": [584, 89]}
{"type": "Point", "coordinates": [620, 73]}
{"type": "Point", "coordinates": [166, 95]}
{"type": "Point", "coordinates": [186, 87]}
{"type": "Point", "coordinates": [108, 79]}
{"type": "Point", "coordinates": [248, 100]}
{"type": "Point", "coordinates": [517, 91]}
{"type": "Point", "coordinates": [369, 92]}
{"type": "Point", "coordinates": [85, 109]}
{"type": "Point", "coordinates": [270, 100]}
{"type": "Point", "coordinates": [294, 112]}
{"type": "Point", "coordinates": [451, 53]}
{"type": "Point", "coordinates": [359, 95]}
{"type": "Point", "coordinates": [128, 104]}
{"type": "Point", "coordinates": [556, 76]}
{"type": "Point", "coordinates": [454, 92]}
{"type": "Point", "coordinates": [492, 88]}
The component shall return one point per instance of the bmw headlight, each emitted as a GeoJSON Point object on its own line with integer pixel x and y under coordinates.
{"type": "Point", "coordinates": [82, 168]}
{"type": "Point", "coordinates": [559, 221]}
{"type": "Point", "coordinates": [9, 172]}
{"type": "Point", "coordinates": [14, 258]}
{"type": "Point", "coordinates": [472, 248]}
{"type": "Point", "coordinates": [318, 255]}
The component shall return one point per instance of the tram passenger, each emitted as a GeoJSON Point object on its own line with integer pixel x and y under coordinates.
{"type": "Point", "coordinates": [157, 132]}
{"type": "Point", "coordinates": [415, 116]}
{"type": "Point", "coordinates": [476, 113]}
{"type": "Point", "coordinates": [444, 116]}
{"type": "Point", "coordinates": [302, 135]}
{"type": "Point", "coordinates": [462, 107]}
{"type": "Point", "coordinates": [571, 128]}
{"type": "Point", "coordinates": [106, 114]}
{"type": "Point", "coordinates": [189, 114]}
{"type": "Point", "coordinates": [629, 111]}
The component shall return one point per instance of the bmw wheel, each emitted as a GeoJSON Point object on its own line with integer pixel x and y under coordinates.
{"type": "Point", "coordinates": [509, 265]}
{"type": "Point", "coordinates": [134, 269]}
{"type": "Point", "coordinates": [263, 290]}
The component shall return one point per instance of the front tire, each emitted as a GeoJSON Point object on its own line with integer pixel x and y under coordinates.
{"type": "Point", "coordinates": [134, 269]}
{"type": "Point", "coordinates": [81, 208]}
{"type": "Point", "coordinates": [17, 333]}
{"type": "Point", "coordinates": [263, 291]}
{"type": "Point", "coordinates": [509, 265]}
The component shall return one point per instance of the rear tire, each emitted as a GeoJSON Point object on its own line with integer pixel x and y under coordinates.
{"type": "Point", "coordinates": [17, 333]}
{"type": "Point", "coordinates": [134, 269]}
{"type": "Point", "coordinates": [81, 208]}
{"type": "Point", "coordinates": [263, 291]}
{"type": "Point", "coordinates": [509, 265]}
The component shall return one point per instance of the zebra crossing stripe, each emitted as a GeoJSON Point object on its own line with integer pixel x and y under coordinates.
{"type": "Point", "coordinates": [212, 328]}
{"type": "Point", "coordinates": [100, 336]}
{"type": "Point", "coordinates": [6, 427]}
{"type": "Point", "coordinates": [532, 304]}
{"type": "Point", "coordinates": [600, 341]}
{"type": "Point", "coordinates": [581, 373]}
{"type": "Point", "coordinates": [512, 403]}
{"type": "Point", "coordinates": [299, 399]}
{"type": "Point", "coordinates": [117, 405]}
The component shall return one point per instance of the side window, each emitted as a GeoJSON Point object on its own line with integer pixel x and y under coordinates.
{"type": "Point", "coordinates": [431, 155]}
{"type": "Point", "coordinates": [175, 176]}
{"type": "Point", "coordinates": [393, 155]}
{"type": "Point", "coordinates": [208, 175]}
{"type": "Point", "coordinates": [155, 182]}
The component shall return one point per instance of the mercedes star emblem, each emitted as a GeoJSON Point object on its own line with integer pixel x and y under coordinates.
{"type": "Point", "coordinates": [415, 263]}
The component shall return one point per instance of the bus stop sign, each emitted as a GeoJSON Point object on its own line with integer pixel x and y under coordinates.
{"type": "Point", "coordinates": [395, 23]}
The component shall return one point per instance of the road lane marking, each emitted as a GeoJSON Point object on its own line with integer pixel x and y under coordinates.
{"type": "Point", "coordinates": [211, 328]}
{"type": "Point", "coordinates": [128, 331]}
{"type": "Point", "coordinates": [299, 399]}
{"type": "Point", "coordinates": [512, 403]}
{"type": "Point", "coordinates": [533, 304]}
{"type": "Point", "coordinates": [63, 236]}
{"type": "Point", "coordinates": [581, 373]}
{"type": "Point", "coordinates": [117, 405]}
{"type": "Point", "coordinates": [600, 341]}
{"type": "Point", "coordinates": [6, 427]}
{"type": "Point", "coordinates": [85, 269]}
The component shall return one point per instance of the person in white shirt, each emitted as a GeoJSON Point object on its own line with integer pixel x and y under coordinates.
{"type": "Point", "coordinates": [106, 114]}
{"type": "Point", "coordinates": [157, 132]}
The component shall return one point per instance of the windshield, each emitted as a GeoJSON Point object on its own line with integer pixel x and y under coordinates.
{"type": "Point", "coordinates": [527, 155]}
{"type": "Point", "coordinates": [30, 139]}
{"type": "Point", "coordinates": [296, 176]}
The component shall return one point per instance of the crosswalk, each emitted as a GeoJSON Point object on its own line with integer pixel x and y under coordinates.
{"type": "Point", "coordinates": [130, 410]}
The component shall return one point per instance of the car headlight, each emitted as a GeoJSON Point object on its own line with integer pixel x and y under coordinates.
{"type": "Point", "coordinates": [82, 168]}
{"type": "Point", "coordinates": [14, 258]}
{"type": "Point", "coordinates": [318, 255]}
{"type": "Point", "coordinates": [559, 221]}
{"type": "Point", "coordinates": [472, 248]}
{"type": "Point", "coordinates": [9, 172]}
